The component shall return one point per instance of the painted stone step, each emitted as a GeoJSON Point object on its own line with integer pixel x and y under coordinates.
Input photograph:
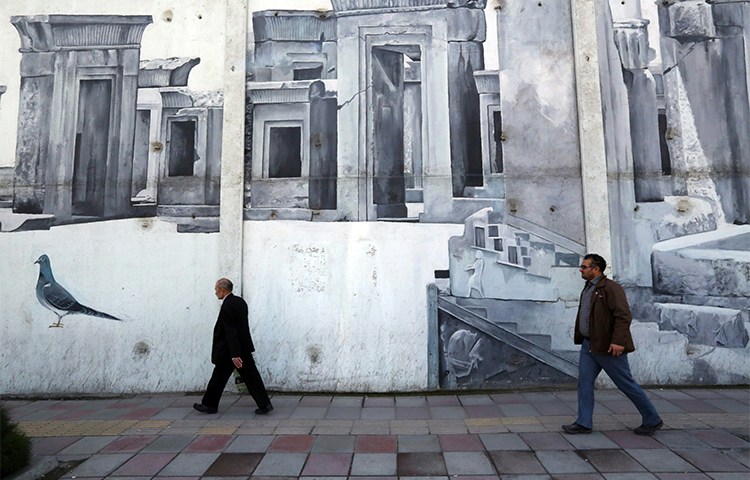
{"type": "Point", "coordinates": [713, 263]}
{"type": "Point", "coordinates": [705, 325]}
{"type": "Point", "coordinates": [188, 210]}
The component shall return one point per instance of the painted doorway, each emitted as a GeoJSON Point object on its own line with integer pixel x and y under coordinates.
{"type": "Point", "coordinates": [396, 123]}
{"type": "Point", "coordinates": [91, 147]}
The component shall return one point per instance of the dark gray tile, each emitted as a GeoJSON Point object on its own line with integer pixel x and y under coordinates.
{"type": "Point", "coordinates": [516, 462]}
{"type": "Point", "coordinates": [612, 461]}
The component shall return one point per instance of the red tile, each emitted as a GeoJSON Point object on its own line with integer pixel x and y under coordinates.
{"type": "Point", "coordinates": [720, 438]}
{"type": "Point", "coordinates": [291, 443]}
{"type": "Point", "coordinates": [209, 443]}
{"type": "Point", "coordinates": [482, 411]}
{"type": "Point", "coordinates": [461, 443]}
{"type": "Point", "coordinates": [376, 444]}
{"type": "Point", "coordinates": [327, 464]}
{"type": "Point", "coordinates": [141, 413]}
{"type": "Point", "coordinates": [73, 414]}
{"type": "Point", "coordinates": [129, 444]}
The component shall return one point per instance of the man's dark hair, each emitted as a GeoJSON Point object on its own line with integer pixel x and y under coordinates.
{"type": "Point", "coordinates": [596, 260]}
{"type": "Point", "coordinates": [225, 283]}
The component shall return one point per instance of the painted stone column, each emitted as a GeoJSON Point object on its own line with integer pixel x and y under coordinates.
{"type": "Point", "coordinates": [631, 38]}
{"type": "Point", "coordinates": [79, 80]}
{"type": "Point", "coordinates": [3, 89]}
{"type": "Point", "coordinates": [707, 106]}
{"type": "Point", "coordinates": [541, 152]}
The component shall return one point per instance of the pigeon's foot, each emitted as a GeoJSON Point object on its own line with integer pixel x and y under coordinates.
{"type": "Point", "coordinates": [56, 325]}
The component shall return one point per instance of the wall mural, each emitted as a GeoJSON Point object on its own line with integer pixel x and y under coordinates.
{"type": "Point", "coordinates": [384, 111]}
{"type": "Point", "coordinates": [105, 134]}
{"type": "Point", "coordinates": [56, 299]}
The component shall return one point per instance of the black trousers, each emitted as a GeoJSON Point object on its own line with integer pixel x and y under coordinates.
{"type": "Point", "coordinates": [249, 375]}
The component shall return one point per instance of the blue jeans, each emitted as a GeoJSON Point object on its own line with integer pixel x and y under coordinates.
{"type": "Point", "coordinates": [618, 369]}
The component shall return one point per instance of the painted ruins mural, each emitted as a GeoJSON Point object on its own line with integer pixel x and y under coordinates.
{"type": "Point", "coordinates": [385, 111]}
{"type": "Point", "coordinates": [406, 114]}
{"type": "Point", "coordinates": [106, 134]}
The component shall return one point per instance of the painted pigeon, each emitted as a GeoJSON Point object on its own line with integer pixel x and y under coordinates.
{"type": "Point", "coordinates": [54, 297]}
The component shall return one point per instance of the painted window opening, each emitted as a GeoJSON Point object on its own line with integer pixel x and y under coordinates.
{"type": "Point", "coordinates": [285, 152]}
{"type": "Point", "coordinates": [182, 155]}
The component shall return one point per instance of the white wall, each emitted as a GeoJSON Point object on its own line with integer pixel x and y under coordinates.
{"type": "Point", "coordinates": [342, 306]}
{"type": "Point", "coordinates": [332, 306]}
{"type": "Point", "coordinates": [158, 281]}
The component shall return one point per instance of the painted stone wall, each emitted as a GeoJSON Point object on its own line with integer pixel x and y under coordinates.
{"type": "Point", "coordinates": [403, 197]}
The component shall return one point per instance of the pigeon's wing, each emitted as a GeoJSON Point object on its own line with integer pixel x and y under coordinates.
{"type": "Point", "coordinates": [58, 297]}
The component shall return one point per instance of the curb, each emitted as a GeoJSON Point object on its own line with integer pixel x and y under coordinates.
{"type": "Point", "coordinates": [39, 467]}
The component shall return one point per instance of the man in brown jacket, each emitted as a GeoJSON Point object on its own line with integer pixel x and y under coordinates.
{"type": "Point", "coordinates": [603, 331]}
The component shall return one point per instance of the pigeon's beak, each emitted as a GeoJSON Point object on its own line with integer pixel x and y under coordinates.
{"type": "Point", "coordinates": [37, 261]}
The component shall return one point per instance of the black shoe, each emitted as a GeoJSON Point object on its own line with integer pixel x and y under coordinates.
{"type": "Point", "coordinates": [646, 430]}
{"type": "Point", "coordinates": [265, 410]}
{"type": "Point", "coordinates": [574, 429]}
{"type": "Point", "coordinates": [204, 409]}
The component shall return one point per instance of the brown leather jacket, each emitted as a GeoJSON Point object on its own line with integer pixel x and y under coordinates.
{"type": "Point", "coordinates": [610, 318]}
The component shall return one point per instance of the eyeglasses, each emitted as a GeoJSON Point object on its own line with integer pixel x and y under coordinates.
{"type": "Point", "coordinates": [584, 267]}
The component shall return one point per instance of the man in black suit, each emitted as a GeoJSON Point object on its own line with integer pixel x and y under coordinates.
{"type": "Point", "coordinates": [232, 348]}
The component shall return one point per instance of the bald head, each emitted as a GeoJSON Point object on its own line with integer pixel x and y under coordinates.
{"type": "Point", "coordinates": [223, 288]}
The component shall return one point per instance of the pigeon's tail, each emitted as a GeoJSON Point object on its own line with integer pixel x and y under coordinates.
{"type": "Point", "coordinates": [95, 313]}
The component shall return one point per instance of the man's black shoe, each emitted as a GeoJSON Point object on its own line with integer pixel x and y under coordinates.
{"type": "Point", "coordinates": [574, 429]}
{"type": "Point", "coordinates": [264, 410]}
{"type": "Point", "coordinates": [204, 409]}
{"type": "Point", "coordinates": [646, 430]}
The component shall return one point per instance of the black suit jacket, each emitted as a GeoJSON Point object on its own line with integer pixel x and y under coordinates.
{"type": "Point", "coordinates": [232, 332]}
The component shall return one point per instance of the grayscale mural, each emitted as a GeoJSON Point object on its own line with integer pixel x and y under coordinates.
{"type": "Point", "coordinates": [104, 134]}
{"type": "Point", "coordinates": [382, 110]}
{"type": "Point", "coordinates": [419, 176]}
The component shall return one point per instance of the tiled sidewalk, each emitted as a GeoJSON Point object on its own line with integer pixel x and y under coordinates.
{"type": "Point", "coordinates": [504, 435]}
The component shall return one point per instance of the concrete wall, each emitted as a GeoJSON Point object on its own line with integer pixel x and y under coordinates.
{"type": "Point", "coordinates": [336, 309]}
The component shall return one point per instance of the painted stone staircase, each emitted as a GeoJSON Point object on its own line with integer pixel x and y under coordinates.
{"type": "Point", "coordinates": [475, 314]}
{"type": "Point", "coordinates": [702, 286]}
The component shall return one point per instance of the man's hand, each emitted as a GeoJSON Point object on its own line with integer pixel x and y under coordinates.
{"type": "Point", "coordinates": [616, 350]}
{"type": "Point", "coordinates": [237, 362]}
